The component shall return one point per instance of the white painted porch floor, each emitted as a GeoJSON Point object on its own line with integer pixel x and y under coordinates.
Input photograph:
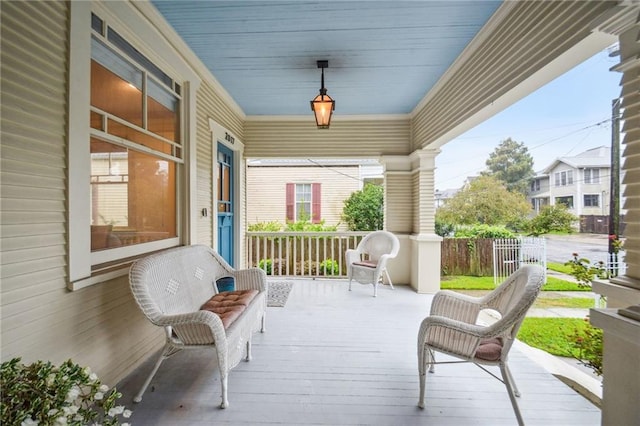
{"type": "Point", "coordinates": [334, 357]}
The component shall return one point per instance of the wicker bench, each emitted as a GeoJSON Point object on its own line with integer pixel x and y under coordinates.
{"type": "Point", "coordinates": [175, 289]}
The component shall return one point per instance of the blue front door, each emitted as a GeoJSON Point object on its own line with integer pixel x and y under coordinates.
{"type": "Point", "coordinates": [225, 203]}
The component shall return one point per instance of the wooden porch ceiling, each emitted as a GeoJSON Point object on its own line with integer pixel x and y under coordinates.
{"type": "Point", "coordinates": [384, 56]}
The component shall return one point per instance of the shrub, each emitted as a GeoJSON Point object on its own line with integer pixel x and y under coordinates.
{"type": "Point", "coordinates": [266, 265]}
{"type": "Point", "coordinates": [584, 272]}
{"type": "Point", "coordinates": [42, 393]}
{"type": "Point", "coordinates": [551, 218]}
{"type": "Point", "coordinates": [483, 231]}
{"type": "Point", "coordinates": [444, 229]}
{"type": "Point", "coordinates": [329, 267]}
{"type": "Point", "coordinates": [589, 346]}
{"type": "Point", "coordinates": [272, 226]}
{"type": "Point", "coordinates": [306, 226]}
{"type": "Point", "coordinates": [306, 268]}
{"type": "Point", "coordinates": [363, 210]}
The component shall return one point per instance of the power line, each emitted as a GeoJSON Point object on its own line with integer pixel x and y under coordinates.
{"type": "Point", "coordinates": [588, 127]}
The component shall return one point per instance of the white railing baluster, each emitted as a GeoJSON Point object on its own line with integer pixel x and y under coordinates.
{"type": "Point", "coordinates": [308, 249]}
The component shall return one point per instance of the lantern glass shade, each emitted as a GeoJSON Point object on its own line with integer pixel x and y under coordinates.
{"type": "Point", "coordinates": [323, 106]}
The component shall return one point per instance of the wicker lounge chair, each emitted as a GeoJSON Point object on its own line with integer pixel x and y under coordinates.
{"type": "Point", "coordinates": [368, 262]}
{"type": "Point", "coordinates": [452, 327]}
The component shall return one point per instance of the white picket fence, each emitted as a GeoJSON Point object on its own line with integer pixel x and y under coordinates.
{"type": "Point", "coordinates": [615, 265]}
{"type": "Point", "coordinates": [511, 253]}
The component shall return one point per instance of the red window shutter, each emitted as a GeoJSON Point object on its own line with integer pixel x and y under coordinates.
{"type": "Point", "coordinates": [290, 202]}
{"type": "Point", "coordinates": [316, 203]}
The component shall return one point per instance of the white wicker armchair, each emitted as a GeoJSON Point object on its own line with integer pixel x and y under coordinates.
{"type": "Point", "coordinates": [174, 289]}
{"type": "Point", "coordinates": [452, 327]}
{"type": "Point", "coordinates": [368, 262]}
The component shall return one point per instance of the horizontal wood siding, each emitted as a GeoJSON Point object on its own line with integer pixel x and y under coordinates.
{"type": "Point", "coordinates": [415, 186]}
{"type": "Point", "coordinates": [346, 138]}
{"type": "Point", "coordinates": [630, 48]}
{"type": "Point", "coordinates": [531, 35]}
{"type": "Point", "coordinates": [398, 203]}
{"type": "Point", "coordinates": [99, 326]}
{"type": "Point", "coordinates": [266, 197]}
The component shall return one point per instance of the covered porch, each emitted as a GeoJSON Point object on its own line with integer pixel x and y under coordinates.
{"type": "Point", "coordinates": [328, 356]}
{"type": "Point", "coordinates": [334, 357]}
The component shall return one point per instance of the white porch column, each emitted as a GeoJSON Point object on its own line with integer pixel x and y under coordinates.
{"type": "Point", "coordinates": [426, 245]}
{"type": "Point", "coordinates": [410, 214]}
{"type": "Point", "coordinates": [621, 377]}
{"type": "Point", "coordinates": [398, 213]}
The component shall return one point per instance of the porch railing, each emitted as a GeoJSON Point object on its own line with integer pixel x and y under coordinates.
{"type": "Point", "coordinates": [301, 254]}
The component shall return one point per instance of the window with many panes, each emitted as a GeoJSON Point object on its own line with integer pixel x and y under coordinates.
{"type": "Point", "coordinates": [564, 178]}
{"type": "Point", "coordinates": [567, 201]}
{"type": "Point", "coordinates": [591, 200]}
{"type": "Point", "coordinates": [303, 202]}
{"type": "Point", "coordinates": [135, 144]}
{"type": "Point", "coordinates": [535, 185]}
{"type": "Point", "coordinates": [591, 175]}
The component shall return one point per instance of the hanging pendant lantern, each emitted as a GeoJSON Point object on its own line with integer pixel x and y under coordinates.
{"type": "Point", "coordinates": [322, 105]}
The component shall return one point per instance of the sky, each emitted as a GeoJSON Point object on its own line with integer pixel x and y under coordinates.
{"type": "Point", "coordinates": [563, 118]}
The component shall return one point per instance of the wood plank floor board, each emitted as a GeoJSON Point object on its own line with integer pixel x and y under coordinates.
{"type": "Point", "coordinates": [334, 357]}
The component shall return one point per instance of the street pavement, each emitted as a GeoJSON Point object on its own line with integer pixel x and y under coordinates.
{"type": "Point", "coordinates": [590, 246]}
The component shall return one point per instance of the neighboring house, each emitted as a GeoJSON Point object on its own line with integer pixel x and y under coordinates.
{"type": "Point", "coordinates": [287, 190]}
{"type": "Point", "coordinates": [441, 197]}
{"type": "Point", "coordinates": [581, 182]}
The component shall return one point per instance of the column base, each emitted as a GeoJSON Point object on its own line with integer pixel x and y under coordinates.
{"type": "Point", "coordinates": [425, 262]}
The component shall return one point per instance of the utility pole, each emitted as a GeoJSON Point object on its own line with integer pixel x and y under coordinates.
{"type": "Point", "coordinates": [614, 192]}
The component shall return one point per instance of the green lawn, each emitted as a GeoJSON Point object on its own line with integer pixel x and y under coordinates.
{"type": "Point", "coordinates": [557, 284]}
{"type": "Point", "coordinates": [486, 283]}
{"type": "Point", "coordinates": [564, 302]}
{"type": "Point", "coordinates": [553, 335]}
{"type": "Point", "coordinates": [559, 267]}
{"type": "Point", "coordinates": [462, 282]}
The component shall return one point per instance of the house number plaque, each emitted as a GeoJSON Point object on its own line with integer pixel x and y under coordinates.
{"type": "Point", "coordinates": [229, 138]}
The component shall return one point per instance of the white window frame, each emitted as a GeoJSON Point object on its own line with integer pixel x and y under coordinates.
{"type": "Point", "coordinates": [558, 200]}
{"type": "Point", "coordinates": [591, 175]}
{"type": "Point", "coordinates": [564, 178]}
{"type": "Point", "coordinates": [84, 266]}
{"type": "Point", "coordinates": [295, 201]}
{"type": "Point", "coordinates": [584, 199]}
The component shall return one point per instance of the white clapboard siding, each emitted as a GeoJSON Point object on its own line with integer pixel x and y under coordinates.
{"type": "Point", "coordinates": [99, 326]}
{"type": "Point", "coordinates": [398, 202]}
{"type": "Point", "coordinates": [266, 190]}
{"type": "Point", "coordinates": [631, 181]}
{"type": "Point", "coordinates": [346, 138]}
{"type": "Point", "coordinates": [210, 105]}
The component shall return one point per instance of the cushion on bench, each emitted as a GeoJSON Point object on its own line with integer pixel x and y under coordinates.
{"type": "Point", "coordinates": [228, 305]}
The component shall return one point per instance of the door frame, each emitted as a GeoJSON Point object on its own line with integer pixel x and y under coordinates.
{"type": "Point", "coordinates": [220, 134]}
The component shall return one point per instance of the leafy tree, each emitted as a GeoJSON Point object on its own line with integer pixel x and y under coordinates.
{"type": "Point", "coordinates": [484, 201]}
{"type": "Point", "coordinates": [512, 164]}
{"type": "Point", "coordinates": [363, 209]}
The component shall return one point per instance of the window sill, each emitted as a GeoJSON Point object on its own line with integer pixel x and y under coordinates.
{"type": "Point", "coordinates": [107, 271]}
{"type": "Point", "coordinates": [99, 277]}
